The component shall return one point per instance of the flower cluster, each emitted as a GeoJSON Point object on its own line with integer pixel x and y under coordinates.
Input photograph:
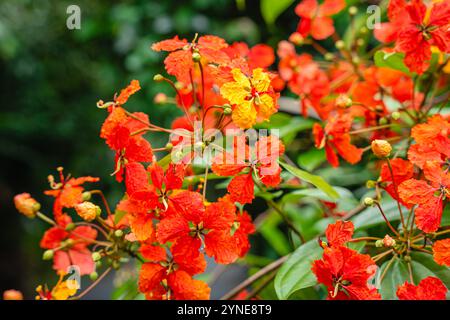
{"type": "Point", "coordinates": [388, 99]}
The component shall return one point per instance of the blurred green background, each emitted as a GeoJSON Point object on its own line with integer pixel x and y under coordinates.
{"type": "Point", "coordinates": [51, 78]}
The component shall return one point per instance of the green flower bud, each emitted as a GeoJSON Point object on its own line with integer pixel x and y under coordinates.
{"type": "Point", "coordinates": [70, 226]}
{"type": "Point", "coordinates": [93, 276]}
{"type": "Point", "coordinates": [158, 78]}
{"type": "Point", "coordinates": [86, 196]}
{"type": "Point", "coordinates": [96, 256]}
{"type": "Point", "coordinates": [118, 233]}
{"type": "Point", "coordinates": [395, 115]}
{"type": "Point", "coordinates": [340, 44]}
{"type": "Point", "coordinates": [369, 201]}
{"type": "Point", "coordinates": [379, 244]}
{"type": "Point", "coordinates": [48, 255]}
{"type": "Point", "coordinates": [196, 57]}
{"type": "Point", "coordinates": [353, 10]}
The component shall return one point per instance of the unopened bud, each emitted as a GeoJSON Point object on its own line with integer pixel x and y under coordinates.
{"type": "Point", "coordinates": [353, 10]}
{"type": "Point", "coordinates": [93, 276]}
{"type": "Point", "coordinates": [227, 111]}
{"type": "Point", "coordinates": [356, 60]}
{"type": "Point", "coordinates": [360, 42]}
{"type": "Point", "coordinates": [388, 241]}
{"type": "Point", "coordinates": [379, 243]}
{"type": "Point", "coordinates": [26, 205]}
{"type": "Point", "coordinates": [381, 148]}
{"type": "Point", "coordinates": [48, 255]}
{"type": "Point", "coordinates": [86, 196]}
{"type": "Point", "coordinates": [370, 184]}
{"type": "Point", "coordinates": [118, 233]}
{"type": "Point", "coordinates": [395, 115]}
{"type": "Point", "coordinates": [70, 226]}
{"type": "Point", "coordinates": [169, 146]}
{"type": "Point", "coordinates": [87, 210]}
{"type": "Point", "coordinates": [158, 77]}
{"type": "Point", "coordinates": [160, 98]}
{"type": "Point", "coordinates": [12, 295]}
{"type": "Point", "coordinates": [382, 121]}
{"type": "Point", "coordinates": [329, 56]}
{"type": "Point", "coordinates": [340, 44]}
{"type": "Point", "coordinates": [369, 201]}
{"type": "Point", "coordinates": [343, 101]}
{"type": "Point", "coordinates": [297, 39]}
{"type": "Point", "coordinates": [363, 30]}
{"type": "Point", "coordinates": [407, 258]}
{"type": "Point", "coordinates": [196, 57]}
{"type": "Point", "coordinates": [96, 256]}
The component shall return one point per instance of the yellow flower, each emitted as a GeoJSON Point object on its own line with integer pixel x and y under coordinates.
{"type": "Point", "coordinates": [251, 97]}
{"type": "Point", "coordinates": [64, 289]}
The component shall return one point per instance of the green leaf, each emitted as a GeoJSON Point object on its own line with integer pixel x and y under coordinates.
{"type": "Point", "coordinates": [372, 216]}
{"type": "Point", "coordinates": [295, 274]}
{"type": "Point", "coordinates": [311, 159]}
{"type": "Point", "coordinates": [395, 276]}
{"type": "Point", "coordinates": [274, 236]}
{"type": "Point", "coordinates": [393, 60]}
{"type": "Point", "coordinates": [317, 181]}
{"type": "Point", "coordinates": [270, 9]}
{"type": "Point", "coordinates": [427, 261]}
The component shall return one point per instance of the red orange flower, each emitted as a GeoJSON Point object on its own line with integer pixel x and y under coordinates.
{"type": "Point", "coordinates": [70, 248]}
{"type": "Point", "coordinates": [316, 19]}
{"type": "Point", "coordinates": [430, 288]}
{"type": "Point", "coordinates": [346, 273]}
{"type": "Point", "coordinates": [335, 138]}
{"type": "Point", "coordinates": [441, 252]}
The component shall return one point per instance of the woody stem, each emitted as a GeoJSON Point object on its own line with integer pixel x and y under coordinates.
{"type": "Point", "coordinates": [386, 220]}
{"type": "Point", "coordinates": [269, 268]}
{"type": "Point", "coordinates": [93, 285]}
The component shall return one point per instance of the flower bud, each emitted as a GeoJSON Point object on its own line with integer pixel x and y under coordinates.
{"type": "Point", "coordinates": [48, 255]}
{"type": "Point", "coordinates": [329, 56]}
{"type": "Point", "coordinates": [118, 233]}
{"type": "Point", "coordinates": [158, 78]}
{"type": "Point", "coordinates": [369, 201]}
{"type": "Point", "coordinates": [169, 146]}
{"type": "Point", "coordinates": [395, 115]}
{"type": "Point", "coordinates": [297, 39]}
{"type": "Point", "coordinates": [388, 241]}
{"type": "Point", "coordinates": [340, 44]}
{"type": "Point", "coordinates": [70, 226]}
{"type": "Point", "coordinates": [407, 258]}
{"type": "Point", "coordinates": [160, 98]}
{"type": "Point", "coordinates": [26, 205]}
{"type": "Point", "coordinates": [93, 276]}
{"type": "Point", "coordinates": [360, 42]}
{"type": "Point", "coordinates": [382, 121]}
{"type": "Point", "coordinates": [12, 295]}
{"type": "Point", "coordinates": [381, 148]}
{"type": "Point", "coordinates": [86, 196]}
{"type": "Point", "coordinates": [96, 256]}
{"type": "Point", "coordinates": [353, 10]}
{"type": "Point", "coordinates": [87, 210]}
{"type": "Point", "coordinates": [227, 111]}
{"type": "Point", "coordinates": [370, 184]}
{"type": "Point", "coordinates": [343, 101]}
{"type": "Point", "coordinates": [379, 243]}
{"type": "Point", "coordinates": [356, 60]}
{"type": "Point", "coordinates": [196, 57]}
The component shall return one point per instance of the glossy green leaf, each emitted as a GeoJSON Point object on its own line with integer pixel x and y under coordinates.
{"type": "Point", "coordinates": [296, 274]}
{"type": "Point", "coordinates": [395, 276]}
{"type": "Point", "coordinates": [317, 181]}
{"type": "Point", "coordinates": [311, 159]}
{"type": "Point", "coordinates": [393, 60]}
